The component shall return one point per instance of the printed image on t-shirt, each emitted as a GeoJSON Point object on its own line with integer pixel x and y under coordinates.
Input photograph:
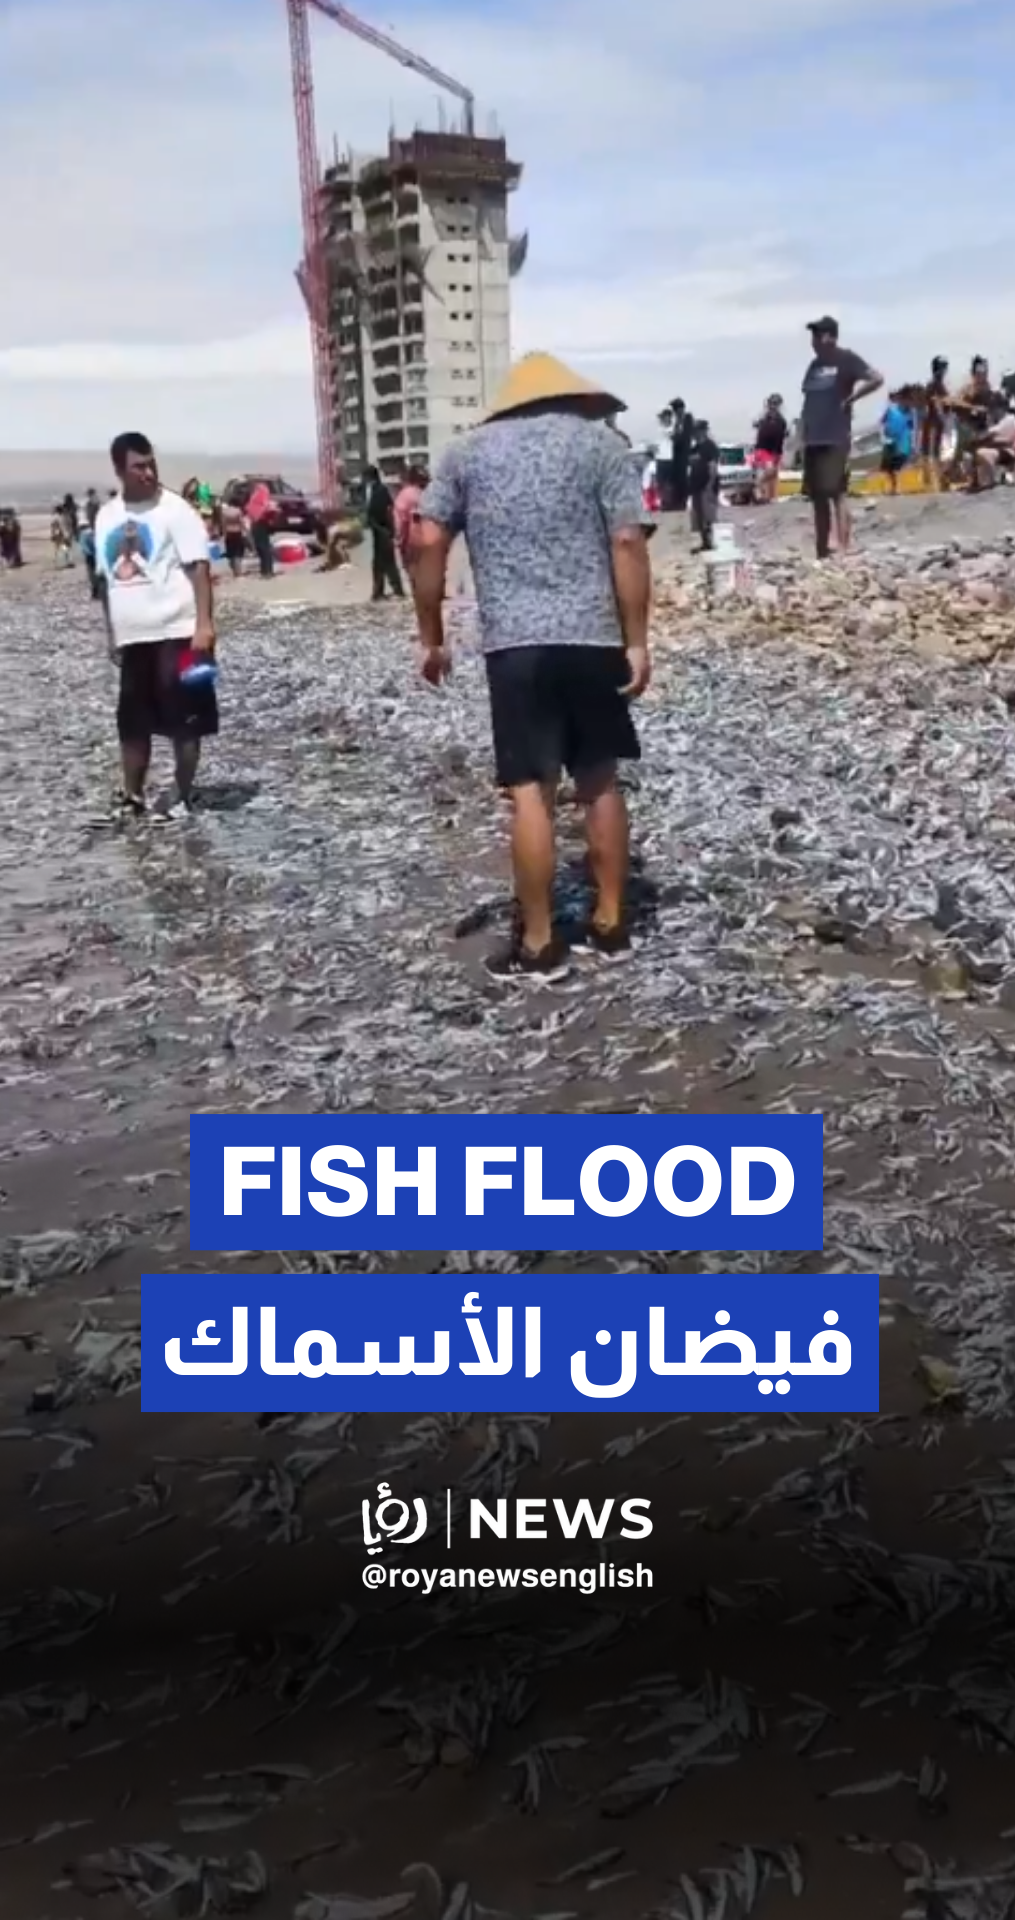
{"type": "Point", "coordinates": [145, 554]}
{"type": "Point", "coordinates": [128, 550]}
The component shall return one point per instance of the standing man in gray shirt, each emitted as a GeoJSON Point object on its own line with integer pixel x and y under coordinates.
{"type": "Point", "coordinates": [834, 381]}
{"type": "Point", "coordinates": [549, 500]}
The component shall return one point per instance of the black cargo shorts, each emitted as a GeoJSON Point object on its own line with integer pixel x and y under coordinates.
{"type": "Point", "coordinates": [559, 708]}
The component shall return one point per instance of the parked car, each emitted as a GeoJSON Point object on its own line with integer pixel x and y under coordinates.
{"type": "Point", "coordinates": [736, 474]}
{"type": "Point", "coordinates": [291, 511]}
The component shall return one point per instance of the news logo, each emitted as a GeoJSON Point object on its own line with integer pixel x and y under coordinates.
{"type": "Point", "coordinates": [392, 1517]}
{"type": "Point", "coordinates": [391, 1521]}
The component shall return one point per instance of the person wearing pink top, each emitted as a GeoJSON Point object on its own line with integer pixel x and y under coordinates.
{"type": "Point", "coordinates": [259, 513]}
{"type": "Point", "coordinates": [407, 500]}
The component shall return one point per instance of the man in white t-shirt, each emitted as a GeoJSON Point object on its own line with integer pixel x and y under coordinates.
{"type": "Point", "coordinates": [154, 573]}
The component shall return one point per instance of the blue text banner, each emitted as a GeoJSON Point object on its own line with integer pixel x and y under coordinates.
{"type": "Point", "coordinates": [555, 1183]}
{"type": "Point", "coordinates": [725, 1343]}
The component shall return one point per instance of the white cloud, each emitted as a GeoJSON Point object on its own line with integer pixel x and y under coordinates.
{"type": "Point", "coordinates": [273, 353]}
{"type": "Point", "coordinates": [696, 183]}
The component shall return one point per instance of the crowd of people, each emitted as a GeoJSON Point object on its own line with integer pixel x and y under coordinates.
{"type": "Point", "coordinates": [681, 473]}
{"type": "Point", "coordinates": [240, 525]}
{"type": "Point", "coordinates": [548, 497]}
{"type": "Point", "coordinates": [962, 439]}
{"type": "Point", "coordinates": [72, 532]}
{"type": "Point", "coordinates": [240, 528]}
{"type": "Point", "coordinates": [150, 552]}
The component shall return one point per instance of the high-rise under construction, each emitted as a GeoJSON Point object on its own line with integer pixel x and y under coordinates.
{"type": "Point", "coordinates": [420, 263]}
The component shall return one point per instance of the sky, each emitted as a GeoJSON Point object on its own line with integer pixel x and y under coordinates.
{"type": "Point", "coordinates": [698, 183]}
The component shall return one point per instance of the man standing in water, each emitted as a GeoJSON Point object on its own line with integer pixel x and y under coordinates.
{"type": "Point", "coordinates": [152, 561]}
{"type": "Point", "coordinates": [834, 381]}
{"type": "Point", "coordinates": [549, 500]}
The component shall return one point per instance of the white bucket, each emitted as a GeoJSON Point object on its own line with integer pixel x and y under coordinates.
{"type": "Point", "coordinates": [724, 575]}
{"type": "Point", "coordinates": [726, 568]}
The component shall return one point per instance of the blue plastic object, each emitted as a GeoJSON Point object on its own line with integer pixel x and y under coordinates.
{"type": "Point", "coordinates": [203, 673]}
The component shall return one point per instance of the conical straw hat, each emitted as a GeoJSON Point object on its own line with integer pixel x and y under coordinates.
{"type": "Point", "coordinates": [539, 376]}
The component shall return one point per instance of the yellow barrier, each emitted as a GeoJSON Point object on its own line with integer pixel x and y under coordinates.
{"type": "Point", "coordinates": [910, 481]}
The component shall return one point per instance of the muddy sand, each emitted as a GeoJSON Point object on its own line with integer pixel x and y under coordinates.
{"type": "Point", "coordinates": [812, 1709]}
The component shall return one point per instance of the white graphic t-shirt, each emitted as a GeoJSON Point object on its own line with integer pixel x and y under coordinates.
{"type": "Point", "coordinates": [142, 554]}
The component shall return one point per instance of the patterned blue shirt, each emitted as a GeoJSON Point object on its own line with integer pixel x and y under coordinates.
{"type": "Point", "coordinates": [538, 498]}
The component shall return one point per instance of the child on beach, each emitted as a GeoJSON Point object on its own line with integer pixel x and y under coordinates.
{"type": "Point", "coordinates": [896, 440]}
{"type": "Point", "coordinates": [59, 534]}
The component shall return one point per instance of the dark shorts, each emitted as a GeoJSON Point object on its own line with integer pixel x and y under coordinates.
{"type": "Point", "coordinates": [556, 708]}
{"type": "Point", "coordinates": [235, 546]}
{"type": "Point", "coordinates": [892, 462]}
{"type": "Point", "coordinates": [826, 472]}
{"type": "Point", "coordinates": [154, 700]}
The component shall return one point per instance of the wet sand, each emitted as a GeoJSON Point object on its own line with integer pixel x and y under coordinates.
{"type": "Point", "coordinates": [142, 978]}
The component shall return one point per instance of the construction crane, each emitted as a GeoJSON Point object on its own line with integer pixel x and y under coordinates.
{"type": "Point", "coordinates": [312, 274]}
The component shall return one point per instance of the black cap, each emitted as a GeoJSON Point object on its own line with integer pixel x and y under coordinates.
{"type": "Point", "coordinates": [825, 325]}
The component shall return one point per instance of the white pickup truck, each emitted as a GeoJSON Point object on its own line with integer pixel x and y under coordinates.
{"type": "Point", "coordinates": [736, 475]}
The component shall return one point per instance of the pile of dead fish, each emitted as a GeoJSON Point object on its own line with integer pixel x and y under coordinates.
{"type": "Point", "coordinates": [824, 899]}
{"type": "Point", "coordinates": [953, 599]}
{"type": "Point", "coordinates": [825, 905]}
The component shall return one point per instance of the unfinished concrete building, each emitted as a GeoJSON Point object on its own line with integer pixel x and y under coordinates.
{"type": "Point", "coordinates": [420, 267]}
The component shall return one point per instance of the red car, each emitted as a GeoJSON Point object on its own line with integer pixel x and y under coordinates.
{"type": "Point", "coordinates": [291, 511]}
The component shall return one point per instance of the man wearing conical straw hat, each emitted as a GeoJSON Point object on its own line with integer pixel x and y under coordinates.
{"type": "Point", "coordinates": [549, 500]}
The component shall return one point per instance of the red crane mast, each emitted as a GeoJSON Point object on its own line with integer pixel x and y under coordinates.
{"type": "Point", "coordinates": [312, 274]}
